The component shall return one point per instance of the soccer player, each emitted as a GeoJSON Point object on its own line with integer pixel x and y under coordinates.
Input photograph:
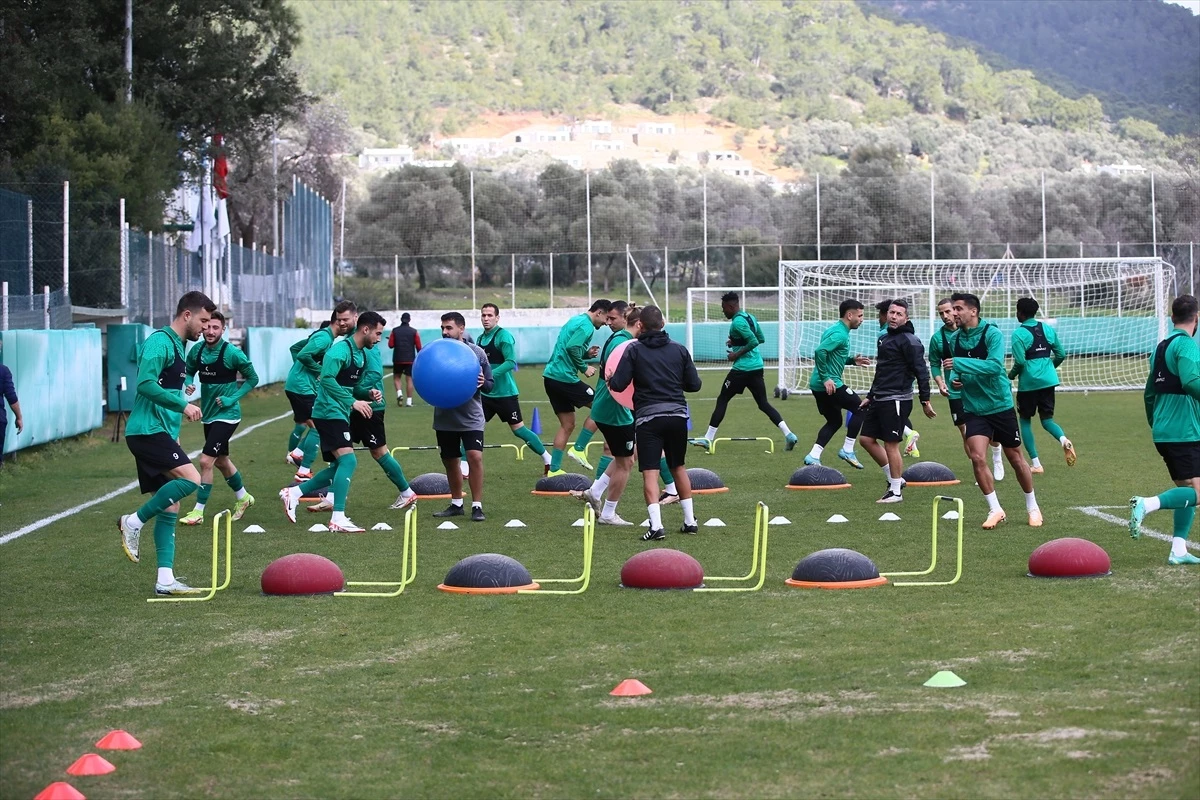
{"type": "Point", "coordinates": [405, 343]}
{"type": "Point", "coordinates": [660, 371]}
{"type": "Point", "coordinates": [831, 358]}
{"type": "Point", "coordinates": [340, 390]}
{"type": "Point", "coordinates": [939, 349]}
{"type": "Point", "coordinates": [460, 430]}
{"type": "Point", "coordinates": [1173, 411]}
{"type": "Point", "coordinates": [911, 437]}
{"type": "Point", "coordinates": [152, 433]}
{"type": "Point", "coordinates": [976, 368]}
{"type": "Point", "coordinates": [1036, 353]}
{"type": "Point", "coordinates": [745, 335]}
{"type": "Point", "coordinates": [503, 400]}
{"type": "Point", "coordinates": [561, 376]}
{"type": "Point", "coordinates": [219, 363]}
{"type": "Point", "coordinates": [301, 386]}
{"type": "Point", "coordinates": [900, 359]}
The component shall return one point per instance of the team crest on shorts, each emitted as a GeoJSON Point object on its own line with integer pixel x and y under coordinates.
{"type": "Point", "coordinates": [629, 445]}
{"type": "Point", "coordinates": [346, 435]}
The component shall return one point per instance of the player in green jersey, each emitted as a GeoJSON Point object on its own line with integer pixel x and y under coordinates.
{"type": "Point", "coordinates": [218, 363]}
{"type": "Point", "coordinates": [832, 396]}
{"type": "Point", "coordinates": [1036, 353]}
{"type": "Point", "coordinates": [301, 385]}
{"type": "Point", "coordinates": [1173, 411]}
{"type": "Point", "coordinates": [340, 391]}
{"type": "Point", "coordinates": [503, 400]}
{"type": "Point", "coordinates": [152, 434]}
{"type": "Point", "coordinates": [561, 376]}
{"type": "Point", "coordinates": [976, 367]}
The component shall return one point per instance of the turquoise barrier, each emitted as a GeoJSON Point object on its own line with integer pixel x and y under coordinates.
{"type": "Point", "coordinates": [58, 377]}
{"type": "Point", "coordinates": [268, 350]}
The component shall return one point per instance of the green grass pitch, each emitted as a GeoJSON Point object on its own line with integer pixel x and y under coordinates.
{"type": "Point", "coordinates": [1084, 688]}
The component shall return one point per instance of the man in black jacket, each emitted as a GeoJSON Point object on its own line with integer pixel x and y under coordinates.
{"type": "Point", "coordinates": [901, 358]}
{"type": "Point", "coordinates": [661, 371]}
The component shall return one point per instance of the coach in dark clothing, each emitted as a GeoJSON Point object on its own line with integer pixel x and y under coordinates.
{"type": "Point", "coordinates": [8, 392]}
{"type": "Point", "coordinates": [661, 371]}
{"type": "Point", "coordinates": [901, 358]}
{"type": "Point", "coordinates": [405, 343]}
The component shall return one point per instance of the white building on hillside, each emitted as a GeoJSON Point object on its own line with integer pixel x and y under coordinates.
{"type": "Point", "coordinates": [373, 158]}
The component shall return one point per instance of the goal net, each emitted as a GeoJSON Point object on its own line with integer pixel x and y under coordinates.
{"type": "Point", "coordinates": [1109, 313]}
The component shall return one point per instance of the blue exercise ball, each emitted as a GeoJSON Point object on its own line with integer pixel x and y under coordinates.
{"type": "Point", "coordinates": [446, 373]}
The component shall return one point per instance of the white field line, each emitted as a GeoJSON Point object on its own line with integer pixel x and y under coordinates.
{"type": "Point", "coordinates": [1095, 511]}
{"type": "Point", "coordinates": [41, 523]}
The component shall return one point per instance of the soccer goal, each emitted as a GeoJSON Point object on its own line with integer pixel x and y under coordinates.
{"type": "Point", "coordinates": [1109, 313]}
{"type": "Point", "coordinates": [707, 329]}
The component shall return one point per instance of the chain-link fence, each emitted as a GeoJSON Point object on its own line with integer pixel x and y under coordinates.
{"type": "Point", "coordinates": [33, 270]}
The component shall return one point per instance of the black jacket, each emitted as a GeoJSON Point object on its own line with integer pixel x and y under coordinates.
{"type": "Point", "coordinates": [661, 371]}
{"type": "Point", "coordinates": [901, 358]}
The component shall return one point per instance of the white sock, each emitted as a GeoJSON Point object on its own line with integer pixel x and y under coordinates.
{"type": "Point", "coordinates": [477, 504]}
{"type": "Point", "coordinates": [907, 431]}
{"type": "Point", "coordinates": [166, 576]}
{"type": "Point", "coordinates": [1030, 502]}
{"type": "Point", "coordinates": [293, 492]}
{"type": "Point", "coordinates": [816, 451]}
{"type": "Point", "coordinates": [887, 471]}
{"type": "Point", "coordinates": [848, 445]}
{"type": "Point", "coordinates": [456, 501]}
{"type": "Point", "coordinates": [993, 502]}
{"type": "Point", "coordinates": [783, 427]}
{"type": "Point", "coordinates": [408, 401]}
{"type": "Point", "coordinates": [1037, 462]}
{"type": "Point", "coordinates": [339, 518]}
{"type": "Point", "coordinates": [689, 516]}
{"type": "Point", "coordinates": [610, 509]}
{"type": "Point", "coordinates": [546, 457]}
{"type": "Point", "coordinates": [995, 454]}
{"type": "Point", "coordinates": [895, 484]}
{"type": "Point", "coordinates": [655, 516]}
{"type": "Point", "coordinates": [400, 393]}
{"type": "Point", "coordinates": [1151, 504]}
{"type": "Point", "coordinates": [408, 492]}
{"type": "Point", "coordinates": [240, 493]}
{"type": "Point", "coordinates": [670, 488]}
{"type": "Point", "coordinates": [599, 485]}
{"type": "Point", "coordinates": [712, 433]}
{"type": "Point", "coordinates": [133, 522]}
{"type": "Point", "coordinates": [329, 498]}
{"type": "Point", "coordinates": [297, 453]}
{"type": "Point", "coordinates": [1178, 546]}
{"type": "Point", "coordinates": [199, 507]}
{"type": "Point", "coordinates": [1063, 440]}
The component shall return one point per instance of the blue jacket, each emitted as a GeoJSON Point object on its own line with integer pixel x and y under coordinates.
{"type": "Point", "coordinates": [9, 391]}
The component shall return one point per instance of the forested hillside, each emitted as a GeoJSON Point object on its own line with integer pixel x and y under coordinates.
{"type": "Point", "coordinates": [408, 69]}
{"type": "Point", "coordinates": [1140, 57]}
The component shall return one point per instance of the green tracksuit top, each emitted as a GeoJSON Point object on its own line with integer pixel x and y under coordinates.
{"type": "Point", "coordinates": [1035, 358]}
{"type": "Point", "coordinates": [340, 384]}
{"type": "Point", "coordinates": [831, 357]}
{"type": "Point", "coordinates": [979, 363]}
{"type": "Point", "coordinates": [604, 408]}
{"type": "Point", "coordinates": [744, 330]}
{"type": "Point", "coordinates": [567, 361]}
{"type": "Point", "coordinates": [940, 348]}
{"type": "Point", "coordinates": [159, 402]}
{"type": "Point", "coordinates": [372, 378]}
{"type": "Point", "coordinates": [501, 349]}
{"type": "Point", "coordinates": [218, 367]}
{"type": "Point", "coordinates": [1172, 389]}
{"type": "Point", "coordinates": [306, 368]}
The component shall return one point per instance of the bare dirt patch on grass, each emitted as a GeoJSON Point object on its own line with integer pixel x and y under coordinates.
{"type": "Point", "coordinates": [411, 650]}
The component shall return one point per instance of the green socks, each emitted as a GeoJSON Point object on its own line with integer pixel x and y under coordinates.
{"type": "Point", "coordinates": [556, 457]}
{"type": "Point", "coordinates": [602, 465]}
{"type": "Point", "coordinates": [204, 493]}
{"type": "Point", "coordinates": [341, 480]}
{"type": "Point", "coordinates": [1027, 435]}
{"type": "Point", "coordinates": [234, 481]}
{"type": "Point", "coordinates": [391, 468]}
{"type": "Point", "coordinates": [530, 438]}
{"type": "Point", "coordinates": [309, 446]}
{"type": "Point", "coordinates": [164, 538]}
{"type": "Point", "coordinates": [665, 472]}
{"type": "Point", "coordinates": [296, 435]}
{"type": "Point", "coordinates": [170, 494]}
{"type": "Point", "coordinates": [1179, 497]}
{"type": "Point", "coordinates": [319, 481]}
{"type": "Point", "coordinates": [581, 441]}
{"type": "Point", "coordinates": [1183, 521]}
{"type": "Point", "coordinates": [1052, 428]}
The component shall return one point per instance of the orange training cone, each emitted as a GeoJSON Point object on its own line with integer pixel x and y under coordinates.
{"type": "Point", "coordinates": [90, 764]}
{"type": "Point", "coordinates": [630, 687]}
{"type": "Point", "coordinates": [59, 790]}
{"type": "Point", "coordinates": [118, 740]}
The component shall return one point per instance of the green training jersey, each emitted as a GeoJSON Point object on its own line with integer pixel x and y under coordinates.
{"type": "Point", "coordinates": [1173, 389]}
{"type": "Point", "coordinates": [306, 368]}
{"type": "Point", "coordinates": [940, 349]}
{"type": "Point", "coordinates": [218, 367]}
{"type": "Point", "coordinates": [831, 357]}
{"type": "Point", "coordinates": [1036, 353]}
{"type": "Point", "coordinates": [604, 408]}
{"type": "Point", "coordinates": [501, 349]}
{"type": "Point", "coordinates": [372, 378]}
{"type": "Point", "coordinates": [342, 370]}
{"type": "Point", "coordinates": [570, 349]}
{"type": "Point", "coordinates": [979, 363]}
{"type": "Point", "coordinates": [744, 330]}
{"type": "Point", "coordinates": [158, 404]}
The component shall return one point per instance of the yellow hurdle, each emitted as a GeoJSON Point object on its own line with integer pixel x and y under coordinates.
{"type": "Point", "coordinates": [213, 588]}
{"type": "Point", "coordinates": [758, 557]}
{"type": "Point", "coordinates": [712, 448]}
{"type": "Point", "coordinates": [933, 559]}
{"type": "Point", "coordinates": [408, 563]}
{"type": "Point", "coordinates": [585, 577]}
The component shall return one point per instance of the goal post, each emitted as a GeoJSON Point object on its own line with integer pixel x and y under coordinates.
{"type": "Point", "coordinates": [1109, 313]}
